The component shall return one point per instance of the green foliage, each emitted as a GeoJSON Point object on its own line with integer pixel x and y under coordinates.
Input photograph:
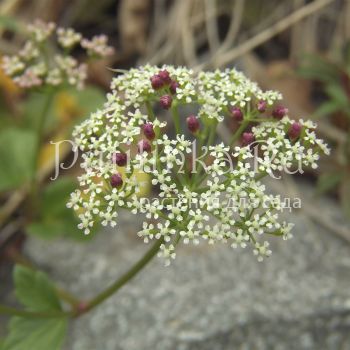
{"type": "Point", "coordinates": [17, 155]}
{"type": "Point", "coordinates": [38, 334]}
{"type": "Point", "coordinates": [55, 218]}
{"type": "Point", "coordinates": [76, 104]}
{"type": "Point", "coordinates": [11, 23]}
{"type": "Point", "coordinates": [34, 290]}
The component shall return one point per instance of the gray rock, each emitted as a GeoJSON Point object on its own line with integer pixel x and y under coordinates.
{"type": "Point", "coordinates": [211, 297]}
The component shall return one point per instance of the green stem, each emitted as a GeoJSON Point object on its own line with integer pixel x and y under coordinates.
{"type": "Point", "coordinates": [239, 132]}
{"type": "Point", "coordinates": [132, 272]}
{"type": "Point", "coordinates": [150, 110]}
{"type": "Point", "coordinates": [176, 117]}
{"type": "Point", "coordinates": [40, 130]}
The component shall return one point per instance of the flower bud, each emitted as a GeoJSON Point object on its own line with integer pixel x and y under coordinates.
{"type": "Point", "coordinates": [173, 86]}
{"type": "Point", "coordinates": [116, 180]}
{"type": "Point", "coordinates": [294, 130]}
{"type": "Point", "coordinates": [193, 123]}
{"type": "Point", "coordinates": [148, 131]}
{"type": "Point", "coordinates": [237, 113]}
{"type": "Point", "coordinates": [120, 158]}
{"type": "Point", "coordinates": [144, 146]}
{"type": "Point", "coordinates": [156, 82]}
{"type": "Point", "coordinates": [279, 112]}
{"type": "Point", "coordinates": [262, 106]}
{"type": "Point", "coordinates": [165, 76]}
{"type": "Point", "coordinates": [247, 138]}
{"type": "Point", "coordinates": [166, 101]}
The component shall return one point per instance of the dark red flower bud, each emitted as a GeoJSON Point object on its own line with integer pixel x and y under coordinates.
{"type": "Point", "coordinates": [165, 76]}
{"type": "Point", "coordinates": [237, 113]}
{"type": "Point", "coordinates": [262, 105]}
{"type": "Point", "coordinates": [157, 82]}
{"type": "Point", "coordinates": [295, 130]}
{"type": "Point", "coordinates": [116, 180]}
{"type": "Point", "coordinates": [144, 146]}
{"type": "Point", "coordinates": [120, 158]}
{"type": "Point", "coordinates": [193, 123]}
{"type": "Point", "coordinates": [279, 112]}
{"type": "Point", "coordinates": [166, 101]}
{"type": "Point", "coordinates": [173, 86]}
{"type": "Point", "coordinates": [247, 138]}
{"type": "Point", "coordinates": [148, 131]}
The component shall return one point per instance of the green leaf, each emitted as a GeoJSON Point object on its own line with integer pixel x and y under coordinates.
{"type": "Point", "coordinates": [34, 290]}
{"type": "Point", "coordinates": [17, 156]}
{"type": "Point", "coordinates": [35, 334]}
{"type": "Point", "coordinates": [328, 181]}
{"type": "Point", "coordinates": [55, 218]}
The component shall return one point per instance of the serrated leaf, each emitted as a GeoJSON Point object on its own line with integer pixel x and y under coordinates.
{"type": "Point", "coordinates": [17, 156]}
{"type": "Point", "coordinates": [35, 334]}
{"type": "Point", "coordinates": [34, 290]}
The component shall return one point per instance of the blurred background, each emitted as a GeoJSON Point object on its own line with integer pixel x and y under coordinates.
{"type": "Point", "coordinates": [210, 298]}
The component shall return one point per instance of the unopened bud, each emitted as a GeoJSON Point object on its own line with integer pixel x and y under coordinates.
{"type": "Point", "coordinates": [120, 158]}
{"type": "Point", "coordinates": [144, 146]}
{"type": "Point", "coordinates": [165, 76]}
{"type": "Point", "coordinates": [173, 86]}
{"type": "Point", "coordinates": [295, 130]}
{"type": "Point", "coordinates": [279, 112]}
{"type": "Point", "coordinates": [237, 113]}
{"type": "Point", "coordinates": [262, 105]}
{"type": "Point", "coordinates": [148, 131]}
{"type": "Point", "coordinates": [247, 138]}
{"type": "Point", "coordinates": [193, 123]}
{"type": "Point", "coordinates": [116, 180]}
{"type": "Point", "coordinates": [166, 101]}
{"type": "Point", "coordinates": [157, 82]}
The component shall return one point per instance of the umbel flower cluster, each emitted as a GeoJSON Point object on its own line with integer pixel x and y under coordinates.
{"type": "Point", "coordinates": [163, 122]}
{"type": "Point", "coordinates": [45, 58]}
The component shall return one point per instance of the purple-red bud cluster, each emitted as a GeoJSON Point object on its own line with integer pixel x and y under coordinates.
{"type": "Point", "coordinates": [237, 114]}
{"type": "Point", "coordinates": [120, 158]}
{"type": "Point", "coordinates": [116, 180]}
{"type": "Point", "coordinates": [279, 112]}
{"type": "Point", "coordinates": [144, 146]}
{"type": "Point", "coordinates": [149, 131]}
{"type": "Point", "coordinates": [295, 130]}
{"type": "Point", "coordinates": [247, 138]}
{"type": "Point", "coordinates": [166, 101]}
{"type": "Point", "coordinates": [163, 79]}
{"type": "Point", "coordinates": [192, 124]}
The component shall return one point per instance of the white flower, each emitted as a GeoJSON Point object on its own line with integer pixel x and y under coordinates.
{"type": "Point", "coordinates": [224, 201]}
